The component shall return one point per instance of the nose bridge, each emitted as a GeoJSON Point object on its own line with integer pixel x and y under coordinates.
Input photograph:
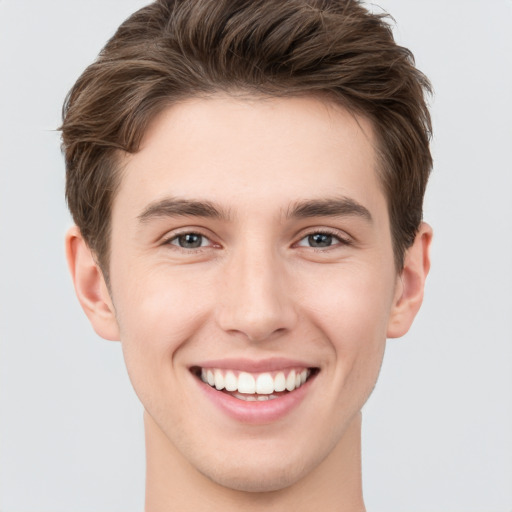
{"type": "Point", "coordinates": [255, 299]}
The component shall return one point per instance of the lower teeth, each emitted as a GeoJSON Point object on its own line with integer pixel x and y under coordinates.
{"type": "Point", "coordinates": [253, 398]}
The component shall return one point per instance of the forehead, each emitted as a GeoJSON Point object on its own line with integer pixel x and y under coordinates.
{"type": "Point", "coordinates": [252, 154]}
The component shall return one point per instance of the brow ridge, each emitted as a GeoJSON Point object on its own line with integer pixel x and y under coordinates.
{"type": "Point", "coordinates": [329, 207]}
{"type": "Point", "coordinates": [174, 207]}
{"type": "Point", "coordinates": [326, 207]}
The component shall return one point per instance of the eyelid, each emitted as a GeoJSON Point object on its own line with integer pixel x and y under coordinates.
{"type": "Point", "coordinates": [173, 235]}
{"type": "Point", "coordinates": [343, 238]}
{"type": "Point", "coordinates": [205, 242]}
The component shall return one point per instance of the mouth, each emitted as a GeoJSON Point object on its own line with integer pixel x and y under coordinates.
{"type": "Point", "coordinates": [255, 387]}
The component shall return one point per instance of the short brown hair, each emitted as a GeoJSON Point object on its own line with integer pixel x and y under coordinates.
{"type": "Point", "coordinates": [176, 49]}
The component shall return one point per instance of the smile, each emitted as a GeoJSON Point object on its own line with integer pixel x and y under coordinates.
{"type": "Point", "coordinates": [254, 386]}
{"type": "Point", "coordinates": [255, 392]}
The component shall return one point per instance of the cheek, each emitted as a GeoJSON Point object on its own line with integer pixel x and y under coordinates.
{"type": "Point", "coordinates": [351, 304]}
{"type": "Point", "coordinates": [352, 311]}
{"type": "Point", "coordinates": [157, 307]}
{"type": "Point", "coordinates": [157, 315]}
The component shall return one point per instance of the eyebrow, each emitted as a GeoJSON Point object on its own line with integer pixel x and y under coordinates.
{"type": "Point", "coordinates": [329, 207]}
{"type": "Point", "coordinates": [173, 207]}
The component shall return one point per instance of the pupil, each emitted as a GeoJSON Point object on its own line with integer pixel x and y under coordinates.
{"type": "Point", "coordinates": [190, 241]}
{"type": "Point", "coordinates": [320, 240]}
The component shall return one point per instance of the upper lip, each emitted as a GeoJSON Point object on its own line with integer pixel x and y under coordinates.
{"type": "Point", "coordinates": [253, 365]}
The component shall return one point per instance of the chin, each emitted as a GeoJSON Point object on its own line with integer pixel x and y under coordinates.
{"type": "Point", "coordinates": [255, 478]}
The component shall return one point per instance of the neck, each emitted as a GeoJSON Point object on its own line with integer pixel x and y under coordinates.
{"type": "Point", "coordinates": [173, 484]}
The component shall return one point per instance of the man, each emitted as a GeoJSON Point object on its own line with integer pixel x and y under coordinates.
{"type": "Point", "coordinates": [246, 180]}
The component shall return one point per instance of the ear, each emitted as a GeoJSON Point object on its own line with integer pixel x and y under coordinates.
{"type": "Point", "coordinates": [90, 286]}
{"type": "Point", "coordinates": [411, 283]}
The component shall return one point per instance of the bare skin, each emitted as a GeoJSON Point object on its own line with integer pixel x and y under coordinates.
{"type": "Point", "coordinates": [309, 494]}
{"type": "Point", "coordinates": [252, 236]}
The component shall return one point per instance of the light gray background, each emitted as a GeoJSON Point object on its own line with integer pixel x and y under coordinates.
{"type": "Point", "coordinates": [438, 429]}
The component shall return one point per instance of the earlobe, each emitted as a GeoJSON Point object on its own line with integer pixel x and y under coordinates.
{"type": "Point", "coordinates": [90, 286]}
{"type": "Point", "coordinates": [410, 289]}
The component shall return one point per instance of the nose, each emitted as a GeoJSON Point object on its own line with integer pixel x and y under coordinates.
{"type": "Point", "coordinates": [256, 299]}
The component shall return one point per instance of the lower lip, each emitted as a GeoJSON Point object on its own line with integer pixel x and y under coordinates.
{"type": "Point", "coordinates": [255, 412]}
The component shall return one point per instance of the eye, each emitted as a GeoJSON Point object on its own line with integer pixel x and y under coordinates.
{"type": "Point", "coordinates": [190, 241]}
{"type": "Point", "coordinates": [320, 240]}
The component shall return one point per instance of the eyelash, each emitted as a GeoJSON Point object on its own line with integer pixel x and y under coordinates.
{"type": "Point", "coordinates": [341, 241]}
{"type": "Point", "coordinates": [176, 236]}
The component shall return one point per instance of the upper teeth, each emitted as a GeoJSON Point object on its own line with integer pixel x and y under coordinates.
{"type": "Point", "coordinates": [248, 383]}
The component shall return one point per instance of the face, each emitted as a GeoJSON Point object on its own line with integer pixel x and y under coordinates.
{"type": "Point", "coordinates": [251, 249]}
